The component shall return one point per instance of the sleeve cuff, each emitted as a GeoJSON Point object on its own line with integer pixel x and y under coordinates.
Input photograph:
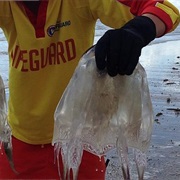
{"type": "Point", "coordinates": [161, 15]}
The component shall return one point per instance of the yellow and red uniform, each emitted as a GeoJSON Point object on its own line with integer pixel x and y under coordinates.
{"type": "Point", "coordinates": [44, 49]}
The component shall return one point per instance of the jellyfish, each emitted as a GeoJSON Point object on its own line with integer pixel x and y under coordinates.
{"type": "Point", "coordinates": [5, 130]}
{"type": "Point", "coordinates": [98, 113]}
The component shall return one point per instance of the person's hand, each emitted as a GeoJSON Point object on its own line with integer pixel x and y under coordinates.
{"type": "Point", "coordinates": [118, 50]}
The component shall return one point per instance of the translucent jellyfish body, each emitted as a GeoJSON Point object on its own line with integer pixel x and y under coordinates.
{"type": "Point", "coordinates": [98, 113]}
{"type": "Point", "coordinates": [5, 130]}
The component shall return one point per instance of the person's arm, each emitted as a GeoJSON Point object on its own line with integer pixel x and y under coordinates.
{"type": "Point", "coordinates": [5, 12]}
{"type": "Point", "coordinates": [160, 25]}
{"type": "Point", "coordinates": [160, 11]}
{"type": "Point", "coordinates": [118, 50]}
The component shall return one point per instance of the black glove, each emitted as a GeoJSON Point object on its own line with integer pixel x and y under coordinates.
{"type": "Point", "coordinates": [119, 50]}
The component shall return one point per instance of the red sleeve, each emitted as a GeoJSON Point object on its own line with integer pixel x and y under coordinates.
{"type": "Point", "coordinates": [139, 7]}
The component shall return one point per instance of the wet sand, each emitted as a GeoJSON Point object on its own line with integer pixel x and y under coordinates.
{"type": "Point", "coordinates": [162, 65]}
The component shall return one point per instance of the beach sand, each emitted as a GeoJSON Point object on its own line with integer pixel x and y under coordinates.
{"type": "Point", "coordinates": [162, 65]}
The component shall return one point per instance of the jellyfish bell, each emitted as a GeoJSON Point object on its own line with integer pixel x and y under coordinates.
{"type": "Point", "coordinates": [98, 113]}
